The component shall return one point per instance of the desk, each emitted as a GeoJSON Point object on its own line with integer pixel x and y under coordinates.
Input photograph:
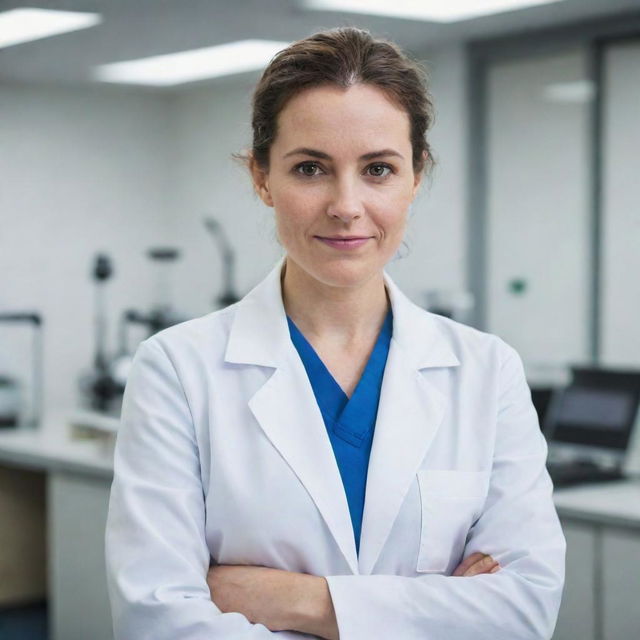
{"type": "Point", "coordinates": [77, 479]}
{"type": "Point", "coordinates": [601, 523]}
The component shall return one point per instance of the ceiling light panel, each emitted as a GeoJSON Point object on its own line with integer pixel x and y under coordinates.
{"type": "Point", "coordinates": [23, 25]}
{"type": "Point", "coordinates": [428, 10]}
{"type": "Point", "coordinates": [189, 66]}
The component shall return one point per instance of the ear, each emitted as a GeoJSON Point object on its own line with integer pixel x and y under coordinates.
{"type": "Point", "coordinates": [417, 181]}
{"type": "Point", "coordinates": [260, 179]}
{"type": "Point", "coordinates": [417, 177]}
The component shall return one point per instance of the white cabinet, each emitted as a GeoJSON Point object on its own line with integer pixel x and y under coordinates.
{"type": "Point", "coordinates": [77, 515]}
{"type": "Point", "coordinates": [620, 584]}
{"type": "Point", "coordinates": [578, 613]}
{"type": "Point", "coordinates": [601, 599]}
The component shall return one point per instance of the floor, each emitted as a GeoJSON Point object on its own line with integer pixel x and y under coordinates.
{"type": "Point", "coordinates": [24, 623]}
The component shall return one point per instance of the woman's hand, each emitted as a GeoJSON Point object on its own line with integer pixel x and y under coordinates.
{"type": "Point", "coordinates": [285, 600]}
{"type": "Point", "coordinates": [476, 564]}
{"type": "Point", "coordinates": [280, 600]}
{"type": "Point", "coordinates": [256, 592]}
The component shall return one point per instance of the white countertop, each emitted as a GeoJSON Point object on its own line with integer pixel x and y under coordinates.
{"type": "Point", "coordinates": [612, 503]}
{"type": "Point", "coordinates": [49, 451]}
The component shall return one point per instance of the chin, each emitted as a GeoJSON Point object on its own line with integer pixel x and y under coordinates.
{"type": "Point", "coordinates": [344, 273]}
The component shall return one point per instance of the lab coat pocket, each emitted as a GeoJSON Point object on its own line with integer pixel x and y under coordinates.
{"type": "Point", "coordinates": [451, 501]}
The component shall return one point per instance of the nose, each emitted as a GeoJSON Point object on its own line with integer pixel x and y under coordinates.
{"type": "Point", "coordinates": [345, 203]}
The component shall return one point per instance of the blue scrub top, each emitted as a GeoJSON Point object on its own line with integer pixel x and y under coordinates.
{"type": "Point", "coordinates": [350, 422]}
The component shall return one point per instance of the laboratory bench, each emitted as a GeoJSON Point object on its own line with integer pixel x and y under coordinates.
{"type": "Point", "coordinates": [59, 491]}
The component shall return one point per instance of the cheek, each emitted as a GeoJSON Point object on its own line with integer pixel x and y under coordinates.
{"type": "Point", "coordinates": [293, 212]}
{"type": "Point", "coordinates": [391, 205]}
{"type": "Point", "coordinates": [393, 218]}
{"type": "Point", "coordinates": [290, 226]}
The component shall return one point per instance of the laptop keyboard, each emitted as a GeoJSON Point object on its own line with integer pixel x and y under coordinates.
{"type": "Point", "coordinates": [565, 474]}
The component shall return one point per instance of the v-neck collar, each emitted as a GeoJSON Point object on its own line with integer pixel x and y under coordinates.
{"type": "Point", "coordinates": [344, 412]}
{"type": "Point", "coordinates": [358, 410]}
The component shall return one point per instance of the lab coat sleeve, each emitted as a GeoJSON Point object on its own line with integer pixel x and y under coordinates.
{"type": "Point", "coordinates": [156, 554]}
{"type": "Point", "coordinates": [519, 527]}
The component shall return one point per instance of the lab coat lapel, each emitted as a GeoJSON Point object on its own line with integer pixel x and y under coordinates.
{"type": "Point", "coordinates": [288, 413]}
{"type": "Point", "coordinates": [410, 412]}
{"type": "Point", "coordinates": [285, 406]}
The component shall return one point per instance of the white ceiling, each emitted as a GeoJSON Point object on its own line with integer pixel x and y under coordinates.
{"type": "Point", "coordinates": [138, 28]}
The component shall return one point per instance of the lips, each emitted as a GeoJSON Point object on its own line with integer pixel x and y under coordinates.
{"type": "Point", "coordinates": [343, 238]}
{"type": "Point", "coordinates": [344, 242]}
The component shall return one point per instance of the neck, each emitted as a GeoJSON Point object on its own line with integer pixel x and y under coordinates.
{"type": "Point", "coordinates": [336, 313]}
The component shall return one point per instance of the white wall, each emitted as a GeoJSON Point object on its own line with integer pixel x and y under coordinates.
{"type": "Point", "coordinates": [621, 212]}
{"type": "Point", "coordinates": [538, 209]}
{"type": "Point", "coordinates": [210, 124]}
{"type": "Point", "coordinates": [81, 170]}
{"type": "Point", "coordinates": [437, 231]}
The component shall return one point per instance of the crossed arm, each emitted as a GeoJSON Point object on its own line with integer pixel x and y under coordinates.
{"type": "Point", "coordinates": [285, 600]}
{"type": "Point", "coordinates": [157, 554]}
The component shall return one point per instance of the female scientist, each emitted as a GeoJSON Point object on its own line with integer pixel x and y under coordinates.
{"type": "Point", "coordinates": [325, 458]}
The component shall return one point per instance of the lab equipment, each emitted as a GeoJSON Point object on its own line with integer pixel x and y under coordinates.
{"type": "Point", "coordinates": [229, 295]}
{"type": "Point", "coordinates": [161, 315]}
{"type": "Point", "coordinates": [10, 402]}
{"type": "Point", "coordinates": [103, 387]}
{"type": "Point", "coordinates": [99, 390]}
{"type": "Point", "coordinates": [14, 410]}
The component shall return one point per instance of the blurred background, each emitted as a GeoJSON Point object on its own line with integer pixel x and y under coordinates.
{"type": "Point", "coordinates": [122, 212]}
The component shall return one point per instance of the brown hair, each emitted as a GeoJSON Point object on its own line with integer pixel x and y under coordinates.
{"type": "Point", "coordinates": [344, 56]}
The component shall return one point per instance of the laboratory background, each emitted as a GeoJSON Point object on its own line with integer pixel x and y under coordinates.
{"type": "Point", "coordinates": [123, 212]}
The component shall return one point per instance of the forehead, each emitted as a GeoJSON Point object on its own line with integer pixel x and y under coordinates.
{"type": "Point", "coordinates": [356, 118]}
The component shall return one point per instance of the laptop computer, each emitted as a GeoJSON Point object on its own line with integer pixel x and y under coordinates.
{"type": "Point", "coordinates": [589, 425]}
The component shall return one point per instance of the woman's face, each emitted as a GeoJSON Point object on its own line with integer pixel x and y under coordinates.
{"type": "Point", "coordinates": [340, 181]}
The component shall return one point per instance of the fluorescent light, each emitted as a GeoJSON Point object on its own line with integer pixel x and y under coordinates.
{"type": "Point", "coordinates": [22, 25]}
{"type": "Point", "coordinates": [577, 92]}
{"type": "Point", "coordinates": [198, 64]}
{"type": "Point", "coordinates": [431, 11]}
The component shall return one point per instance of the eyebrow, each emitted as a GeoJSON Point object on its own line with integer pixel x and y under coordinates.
{"type": "Point", "coordinates": [325, 156]}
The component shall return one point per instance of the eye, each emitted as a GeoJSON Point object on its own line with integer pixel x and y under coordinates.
{"type": "Point", "coordinates": [307, 169]}
{"type": "Point", "coordinates": [379, 170]}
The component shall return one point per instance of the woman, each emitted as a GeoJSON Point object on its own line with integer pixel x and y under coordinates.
{"type": "Point", "coordinates": [249, 435]}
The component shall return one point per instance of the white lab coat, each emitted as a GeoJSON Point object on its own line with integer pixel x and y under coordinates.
{"type": "Point", "coordinates": [223, 454]}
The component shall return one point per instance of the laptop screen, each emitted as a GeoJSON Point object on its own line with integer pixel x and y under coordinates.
{"type": "Point", "coordinates": [597, 417]}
